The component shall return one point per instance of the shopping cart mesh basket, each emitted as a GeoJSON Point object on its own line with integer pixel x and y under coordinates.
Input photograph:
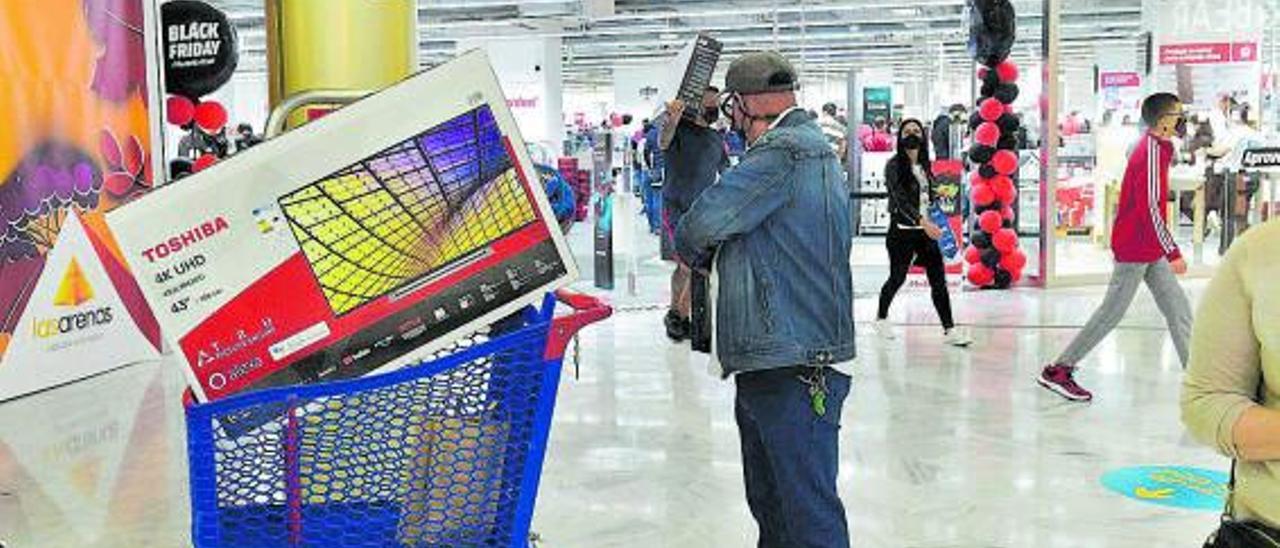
{"type": "Point", "coordinates": [443, 454]}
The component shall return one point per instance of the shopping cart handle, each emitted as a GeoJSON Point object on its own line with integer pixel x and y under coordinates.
{"type": "Point", "coordinates": [586, 311]}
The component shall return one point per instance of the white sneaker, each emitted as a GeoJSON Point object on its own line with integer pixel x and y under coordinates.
{"type": "Point", "coordinates": [958, 337]}
{"type": "Point", "coordinates": [884, 330]}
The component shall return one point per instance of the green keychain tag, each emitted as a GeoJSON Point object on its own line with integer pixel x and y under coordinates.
{"type": "Point", "coordinates": [820, 403]}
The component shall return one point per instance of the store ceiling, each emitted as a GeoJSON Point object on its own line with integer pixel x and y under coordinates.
{"type": "Point", "coordinates": [914, 37]}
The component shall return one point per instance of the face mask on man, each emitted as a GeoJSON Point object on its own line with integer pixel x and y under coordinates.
{"type": "Point", "coordinates": [710, 115]}
{"type": "Point", "coordinates": [730, 106]}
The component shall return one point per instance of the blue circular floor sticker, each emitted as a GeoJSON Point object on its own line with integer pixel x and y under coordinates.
{"type": "Point", "coordinates": [1176, 486]}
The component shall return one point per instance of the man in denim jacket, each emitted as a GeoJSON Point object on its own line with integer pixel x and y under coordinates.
{"type": "Point", "coordinates": [775, 230]}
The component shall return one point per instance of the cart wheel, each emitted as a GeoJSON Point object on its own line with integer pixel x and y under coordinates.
{"type": "Point", "coordinates": [534, 540]}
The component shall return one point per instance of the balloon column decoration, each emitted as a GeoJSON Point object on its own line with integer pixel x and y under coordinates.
{"type": "Point", "coordinates": [204, 124]}
{"type": "Point", "coordinates": [200, 54]}
{"type": "Point", "coordinates": [993, 256]}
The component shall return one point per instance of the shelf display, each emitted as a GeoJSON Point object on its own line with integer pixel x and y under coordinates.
{"type": "Point", "coordinates": [873, 195]}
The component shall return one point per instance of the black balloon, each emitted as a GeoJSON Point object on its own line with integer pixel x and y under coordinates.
{"type": "Point", "coordinates": [200, 48]}
{"type": "Point", "coordinates": [988, 172]}
{"type": "Point", "coordinates": [1003, 279]}
{"type": "Point", "coordinates": [988, 89]}
{"type": "Point", "coordinates": [992, 30]}
{"type": "Point", "coordinates": [981, 239]}
{"type": "Point", "coordinates": [1008, 141]}
{"type": "Point", "coordinates": [991, 257]}
{"type": "Point", "coordinates": [975, 119]}
{"type": "Point", "coordinates": [1008, 123]}
{"type": "Point", "coordinates": [992, 77]}
{"type": "Point", "coordinates": [1007, 93]}
{"type": "Point", "coordinates": [981, 154]}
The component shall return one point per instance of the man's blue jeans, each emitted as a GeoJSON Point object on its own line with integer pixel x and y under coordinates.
{"type": "Point", "coordinates": [790, 457]}
{"type": "Point", "coordinates": [652, 203]}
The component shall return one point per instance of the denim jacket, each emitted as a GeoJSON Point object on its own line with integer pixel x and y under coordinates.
{"type": "Point", "coordinates": [779, 227]}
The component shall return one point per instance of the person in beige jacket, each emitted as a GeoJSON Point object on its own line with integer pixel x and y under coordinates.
{"type": "Point", "coordinates": [1231, 392]}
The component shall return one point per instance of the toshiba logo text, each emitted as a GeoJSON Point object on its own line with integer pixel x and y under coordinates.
{"type": "Point", "coordinates": [199, 233]}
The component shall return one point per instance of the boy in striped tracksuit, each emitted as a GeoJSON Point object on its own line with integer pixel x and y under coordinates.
{"type": "Point", "coordinates": [1143, 246]}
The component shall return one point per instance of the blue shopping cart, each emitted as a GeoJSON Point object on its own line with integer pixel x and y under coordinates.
{"type": "Point", "coordinates": [447, 453]}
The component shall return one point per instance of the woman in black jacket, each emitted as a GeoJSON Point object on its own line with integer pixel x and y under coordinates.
{"type": "Point", "coordinates": [913, 237]}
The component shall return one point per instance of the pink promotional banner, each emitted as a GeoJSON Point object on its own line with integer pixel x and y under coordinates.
{"type": "Point", "coordinates": [1121, 80]}
{"type": "Point", "coordinates": [1208, 53]}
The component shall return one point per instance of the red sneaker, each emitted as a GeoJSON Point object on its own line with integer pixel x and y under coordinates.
{"type": "Point", "coordinates": [1060, 379]}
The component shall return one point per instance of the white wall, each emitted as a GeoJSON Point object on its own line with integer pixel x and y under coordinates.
{"type": "Point", "coordinates": [531, 73]}
{"type": "Point", "coordinates": [640, 90]}
{"type": "Point", "coordinates": [594, 104]}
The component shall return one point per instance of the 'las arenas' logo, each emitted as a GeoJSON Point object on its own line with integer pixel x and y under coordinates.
{"type": "Point", "coordinates": [74, 292]}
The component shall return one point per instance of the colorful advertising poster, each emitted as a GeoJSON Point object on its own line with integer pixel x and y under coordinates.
{"type": "Point", "coordinates": [74, 144]}
{"type": "Point", "coordinates": [353, 244]}
{"type": "Point", "coordinates": [1120, 90]}
{"type": "Point", "coordinates": [877, 103]}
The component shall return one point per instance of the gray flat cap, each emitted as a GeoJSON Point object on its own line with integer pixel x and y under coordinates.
{"type": "Point", "coordinates": [760, 72]}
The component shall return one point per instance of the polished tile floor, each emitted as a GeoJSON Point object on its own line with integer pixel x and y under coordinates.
{"type": "Point", "coordinates": [941, 447]}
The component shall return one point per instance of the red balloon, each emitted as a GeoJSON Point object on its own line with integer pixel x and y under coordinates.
{"type": "Point", "coordinates": [991, 109]}
{"type": "Point", "coordinates": [1005, 162]}
{"type": "Point", "coordinates": [1007, 213]}
{"type": "Point", "coordinates": [1004, 190]}
{"type": "Point", "coordinates": [1014, 260]}
{"type": "Point", "coordinates": [976, 179]}
{"type": "Point", "coordinates": [990, 221]}
{"type": "Point", "coordinates": [211, 116]}
{"type": "Point", "coordinates": [972, 255]}
{"type": "Point", "coordinates": [203, 163]}
{"type": "Point", "coordinates": [987, 134]}
{"type": "Point", "coordinates": [980, 275]}
{"type": "Point", "coordinates": [1007, 71]}
{"type": "Point", "coordinates": [1005, 240]}
{"type": "Point", "coordinates": [179, 110]}
{"type": "Point", "coordinates": [982, 195]}
{"type": "Point", "coordinates": [1015, 275]}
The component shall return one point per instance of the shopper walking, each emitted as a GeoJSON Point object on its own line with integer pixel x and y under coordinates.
{"type": "Point", "coordinates": [1143, 247]}
{"type": "Point", "coordinates": [879, 140]}
{"type": "Point", "coordinates": [913, 236]}
{"type": "Point", "coordinates": [1231, 393]}
{"type": "Point", "coordinates": [778, 226]}
{"type": "Point", "coordinates": [654, 176]}
{"type": "Point", "coordinates": [834, 130]}
{"type": "Point", "coordinates": [695, 155]}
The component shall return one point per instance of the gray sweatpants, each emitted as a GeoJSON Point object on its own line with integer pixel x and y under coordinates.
{"type": "Point", "coordinates": [1125, 280]}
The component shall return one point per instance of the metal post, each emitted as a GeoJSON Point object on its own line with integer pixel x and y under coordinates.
{"type": "Point", "coordinates": [853, 119]}
{"type": "Point", "coordinates": [1049, 140]}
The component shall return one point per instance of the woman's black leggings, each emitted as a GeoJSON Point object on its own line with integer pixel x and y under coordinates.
{"type": "Point", "coordinates": [906, 246]}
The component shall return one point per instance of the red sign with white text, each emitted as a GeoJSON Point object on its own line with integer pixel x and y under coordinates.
{"type": "Point", "coordinates": [1208, 53]}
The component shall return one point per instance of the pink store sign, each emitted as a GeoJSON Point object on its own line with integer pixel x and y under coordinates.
{"type": "Point", "coordinates": [1121, 80]}
{"type": "Point", "coordinates": [1208, 53]}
